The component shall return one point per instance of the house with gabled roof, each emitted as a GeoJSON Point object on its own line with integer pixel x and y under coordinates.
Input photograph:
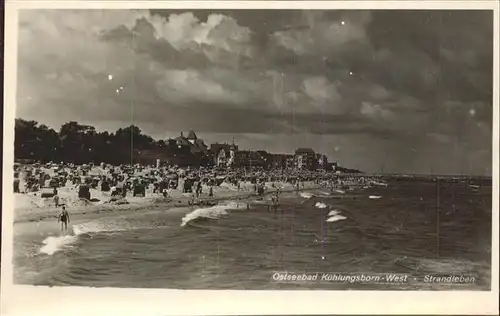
{"type": "Point", "coordinates": [196, 145]}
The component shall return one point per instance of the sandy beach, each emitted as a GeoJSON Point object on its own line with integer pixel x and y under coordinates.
{"type": "Point", "coordinates": [36, 215]}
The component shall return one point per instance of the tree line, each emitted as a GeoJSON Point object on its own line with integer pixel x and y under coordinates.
{"type": "Point", "coordinates": [77, 143]}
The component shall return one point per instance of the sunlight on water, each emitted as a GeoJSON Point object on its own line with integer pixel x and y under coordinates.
{"type": "Point", "coordinates": [54, 244]}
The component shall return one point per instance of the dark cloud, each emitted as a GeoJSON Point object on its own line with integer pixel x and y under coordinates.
{"type": "Point", "coordinates": [384, 79]}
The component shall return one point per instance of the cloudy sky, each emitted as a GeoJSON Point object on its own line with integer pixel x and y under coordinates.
{"type": "Point", "coordinates": [398, 91]}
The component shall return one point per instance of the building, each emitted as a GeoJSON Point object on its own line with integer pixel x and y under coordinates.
{"type": "Point", "coordinates": [332, 166]}
{"type": "Point", "coordinates": [181, 151]}
{"type": "Point", "coordinates": [280, 161]}
{"type": "Point", "coordinates": [195, 145]}
{"type": "Point", "coordinates": [223, 154]}
{"type": "Point", "coordinates": [322, 161]}
{"type": "Point", "coordinates": [221, 158]}
{"type": "Point", "coordinates": [215, 148]}
{"type": "Point", "coordinates": [305, 159]}
{"type": "Point", "coordinates": [232, 156]}
{"type": "Point", "coordinates": [251, 159]}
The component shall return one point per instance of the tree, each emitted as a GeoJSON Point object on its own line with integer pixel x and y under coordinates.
{"type": "Point", "coordinates": [76, 142]}
{"type": "Point", "coordinates": [35, 142]}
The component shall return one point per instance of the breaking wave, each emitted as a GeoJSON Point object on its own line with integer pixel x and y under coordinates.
{"type": "Point", "coordinates": [306, 195]}
{"type": "Point", "coordinates": [333, 213]}
{"type": "Point", "coordinates": [374, 196]}
{"type": "Point", "coordinates": [53, 244]}
{"type": "Point", "coordinates": [320, 205]}
{"type": "Point", "coordinates": [213, 212]}
{"type": "Point", "coordinates": [336, 218]}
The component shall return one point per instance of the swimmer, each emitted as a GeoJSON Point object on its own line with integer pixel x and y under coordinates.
{"type": "Point", "coordinates": [64, 219]}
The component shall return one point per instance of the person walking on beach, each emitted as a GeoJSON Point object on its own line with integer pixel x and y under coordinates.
{"type": "Point", "coordinates": [199, 188]}
{"type": "Point", "coordinates": [194, 189]}
{"type": "Point", "coordinates": [56, 200]}
{"type": "Point", "coordinates": [64, 219]}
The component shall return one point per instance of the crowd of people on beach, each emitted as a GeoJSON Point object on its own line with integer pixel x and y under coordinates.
{"type": "Point", "coordinates": [135, 180]}
{"type": "Point", "coordinates": [119, 179]}
{"type": "Point", "coordinates": [198, 184]}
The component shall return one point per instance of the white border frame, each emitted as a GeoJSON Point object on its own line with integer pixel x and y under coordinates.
{"type": "Point", "coordinates": [31, 300]}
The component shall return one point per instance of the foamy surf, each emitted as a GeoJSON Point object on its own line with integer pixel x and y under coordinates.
{"type": "Point", "coordinates": [320, 205]}
{"type": "Point", "coordinates": [53, 244]}
{"type": "Point", "coordinates": [374, 197]}
{"type": "Point", "coordinates": [340, 191]}
{"type": "Point", "coordinates": [306, 195]}
{"type": "Point", "coordinates": [336, 218]}
{"type": "Point", "coordinates": [333, 213]}
{"type": "Point", "coordinates": [213, 212]}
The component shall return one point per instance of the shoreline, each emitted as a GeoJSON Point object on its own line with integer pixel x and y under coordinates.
{"type": "Point", "coordinates": [78, 212]}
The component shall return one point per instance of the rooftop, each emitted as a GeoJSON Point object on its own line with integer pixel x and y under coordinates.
{"type": "Point", "coordinates": [192, 135]}
{"type": "Point", "coordinates": [304, 151]}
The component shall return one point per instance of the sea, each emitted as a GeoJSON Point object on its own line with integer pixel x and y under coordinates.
{"type": "Point", "coordinates": [415, 229]}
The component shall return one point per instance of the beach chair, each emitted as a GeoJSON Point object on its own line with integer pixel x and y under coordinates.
{"type": "Point", "coordinates": [16, 185]}
{"type": "Point", "coordinates": [139, 190]}
{"type": "Point", "coordinates": [47, 193]}
{"type": "Point", "coordinates": [84, 192]}
{"type": "Point", "coordinates": [105, 187]}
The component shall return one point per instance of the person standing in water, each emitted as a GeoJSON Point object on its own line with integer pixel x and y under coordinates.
{"type": "Point", "coordinates": [274, 202]}
{"type": "Point", "coordinates": [64, 219]}
{"type": "Point", "coordinates": [56, 200]}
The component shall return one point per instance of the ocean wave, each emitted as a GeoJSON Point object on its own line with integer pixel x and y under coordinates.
{"type": "Point", "coordinates": [340, 191]}
{"type": "Point", "coordinates": [102, 226]}
{"type": "Point", "coordinates": [320, 205]}
{"type": "Point", "coordinates": [333, 213]}
{"type": "Point", "coordinates": [306, 195]}
{"type": "Point", "coordinates": [53, 244]}
{"type": "Point", "coordinates": [374, 196]}
{"type": "Point", "coordinates": [336, 218]}
{"type": "Point", "coordinates": [213, 212]}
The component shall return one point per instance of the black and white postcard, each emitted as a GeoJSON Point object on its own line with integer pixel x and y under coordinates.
{"type": "Point", "coordinates": [271, 154]}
